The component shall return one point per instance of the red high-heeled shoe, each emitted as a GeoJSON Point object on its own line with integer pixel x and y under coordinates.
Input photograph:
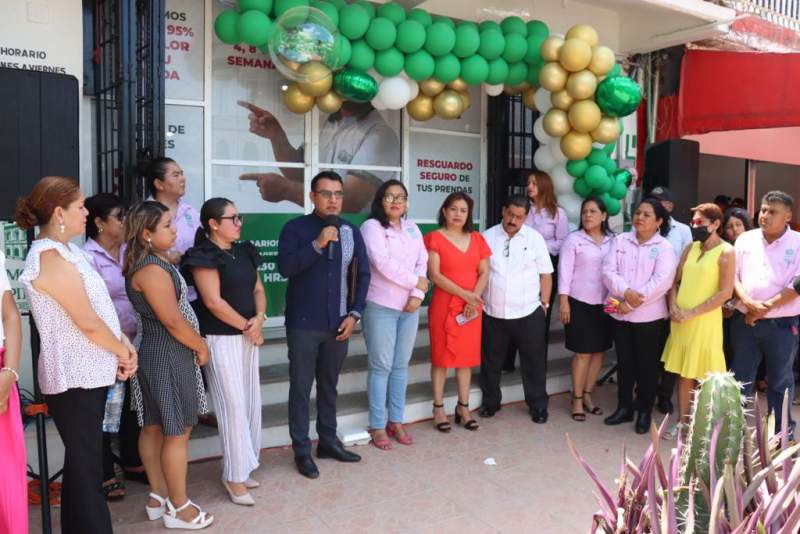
{"type": "Point", "coordinates": [405, 439]}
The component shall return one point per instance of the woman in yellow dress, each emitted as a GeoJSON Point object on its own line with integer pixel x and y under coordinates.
{"type": "Point", "coordinates": [703, 282]}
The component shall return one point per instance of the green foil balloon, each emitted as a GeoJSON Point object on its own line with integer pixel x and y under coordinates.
{"type": "Point", "coordinates": [581, 188]}
{"type": "Point", "coordinates": [514, 26]}
{"type": "Point", "coordinates": [517, 73]}
{"type": "Point", "coordinates": [381, 34]}
{"type": "Point", "coordinates": [624, 175]}
{"type": "Point", "coordinates": [410, 36]}
{"type": "Point", "coordinates": [392, 11]}
{"type": "Point", "coordinates": [361, 56]}
{"type": "Point", "coordinates": [353, 21]}
{"type": "Point", "coordinates": [516, 48]}
{"type": "Point", "coordinates": [447, 68]}
{"type": "Point", "coordinates": [265, 6]}
{"type": "Point", "coordinates": [538, 28]}
{"type": "Point", "coordinates": [253, 28]}
{"type": "Point", "coordinates": [474, 70]}
{"type": "Point", "coordinates": [421, 16]}
{"type": "Point", "coordinates": [420, 65]}
{"type": "Point", "coordinates": [389, 62]}
{"type": "Point", "coordinates": [467, 40]}
{"type": "Point", "coordinates": [498, 71]}
{"type": "Point", "coordinates": [440, 39]}
{"type": "Point", "coordinates": [225, 27]}
{"type": "Point", "coordinates": [618, 96]}
{"type": "Point", "coordinates": [616, 71]}
{"type": "Point", "coordinates": [577, 167]}
{"type": "Point", "coordinates": [355, 85]}
{"type": "Point", "coordinates": [492, 44]}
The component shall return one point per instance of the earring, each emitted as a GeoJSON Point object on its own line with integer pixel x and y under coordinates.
{"type": "Point", "coordinates": [100, 230]}
{"type": "Point", "coordinates": [149, 242]}
{"type": "Point", "coordinates": [61, 227]}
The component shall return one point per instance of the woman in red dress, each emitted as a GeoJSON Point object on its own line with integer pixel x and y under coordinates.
{"type": "Point", "coordinates": [458, 265]}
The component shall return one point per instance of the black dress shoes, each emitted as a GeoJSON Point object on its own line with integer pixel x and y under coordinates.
{"type": "Point", "coordinates": [337, 452]}
{"type": "Point", "coordinates": [664, 405]}
{"type": "Point", "coordinates": [539, 415]}
{"type": "Point", "coordinates": [643, 423]}
{"type": "Point", "coordinates": [306, 466]}
{"type": "Point", "coordinates": [485, 411]}
{"type": "Point", "coordinates": [622, 415]}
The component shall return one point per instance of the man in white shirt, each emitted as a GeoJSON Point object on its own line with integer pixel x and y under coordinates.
{"type": "Point", "coordinates": [515, 304]}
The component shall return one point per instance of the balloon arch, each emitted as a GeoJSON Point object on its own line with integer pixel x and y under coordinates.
{"type": "Point", "coordinates": [392, 58]}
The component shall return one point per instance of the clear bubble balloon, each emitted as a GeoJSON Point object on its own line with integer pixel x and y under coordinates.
{"type": "Point", "coordinates": [302, 35]}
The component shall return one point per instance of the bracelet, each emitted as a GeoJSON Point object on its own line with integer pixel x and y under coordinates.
{"type": "Point", "coordinates": [12, 371]}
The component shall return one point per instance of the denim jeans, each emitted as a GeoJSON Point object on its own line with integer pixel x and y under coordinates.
{"type": "Point", "coordinates": [390, 336]}
{"type": "Point", "coordinates": [774, 341]}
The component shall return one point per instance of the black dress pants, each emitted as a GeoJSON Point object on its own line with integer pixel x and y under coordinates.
{"type": "Point", "coordinates": [313, 355]}
{"type": "Point", "coordinates": [639, 347]}
{"type": "Point", "coordinates": [78, 414]}
{"type": "Point", "coordinates": [527, 335]}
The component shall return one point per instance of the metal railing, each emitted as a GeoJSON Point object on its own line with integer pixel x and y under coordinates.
{"type": "Point", "coordinates": [784, 13]}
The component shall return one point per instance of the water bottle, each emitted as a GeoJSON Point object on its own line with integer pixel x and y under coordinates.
{"type": "Point", "coordinates": [113, 412]}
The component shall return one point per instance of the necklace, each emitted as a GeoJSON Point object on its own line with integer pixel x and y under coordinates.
{"type": "Point", "coordinates": [225, 250]}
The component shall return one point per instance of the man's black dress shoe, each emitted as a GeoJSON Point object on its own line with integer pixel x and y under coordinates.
{"type": "Point", "coordinates": [306, 466]}
{"type": "Point", "coordinates": [539, 415]}
{"type": "Point", "coordinates": [622, 415]}
{"type": "Point", "coordinates": [643, 423]}
{"type": "Point", "coordinates": [664, 405]}
{"type": "Point", "coordinates": [485, 411]}
{"type": "Point", "coordinates": [337, 452]}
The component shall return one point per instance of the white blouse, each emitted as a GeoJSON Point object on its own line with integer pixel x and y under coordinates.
{"type": "Point", "coordinates": [68, 359]}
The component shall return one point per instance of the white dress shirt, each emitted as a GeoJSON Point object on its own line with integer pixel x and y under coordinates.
{"type": "Point", "coordinates": [513, 290]}
{"type": "Point", "coordinates": [679, 236]}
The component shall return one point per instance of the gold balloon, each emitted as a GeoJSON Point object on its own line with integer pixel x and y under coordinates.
{"type": "Point", "coordinates": [296, 100]}
{"type": "Point", "coordinates": [553, 77]}
{"type": "Point", "coordinates": [549, 48]}
{"type": "Point", "coordinates": [465, 100]}
{"type": "Point", "coordinates": [581, 85]}
{"type": "Point", "coordinates": [528, 98]}
{"type": "Point", "coordinates": [448, 104]}
{"type": "Point", "coordinates": [585, 116]}
{"type": "Point", "coordinates": [608, 131]}
{"type": "Point", "coordinates": [431, 87]}
{"type": "Point", "coordinates": [562, 99]}
{"type": "Point", "coordinates": [556, 122]}
{"type": "Point", "coordinates": [318, 76]}
{"type": "Point", "coordinates": [602, 60]}
{"type": "Point", "coordinates": [585, 33]}
{"type": "Point", "coordinates": [294, 65]}
{"type": "Point", "coordinates": [576, 145]}
{"type": "Point", "coordinates": [513, 90]}
{"type": "Point", "coordinates": [575, 54]}
{"type": "Point", "coordinates": [458, 85]}
{"type": "Point", "coordinates": [330, 102]}
{"type": "Point", "coordinates": [421, 108]}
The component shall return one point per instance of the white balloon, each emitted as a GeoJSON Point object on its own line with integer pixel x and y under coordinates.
{"type": "Point", "coordinates": [413, 88]}
{"type": "Point", "coordinates": [542, 100]}
{"type": "Point", "coordinates": [394, 92]}
{"type": "Point", "coordinates": [571, 203]}
{"type": "Point", "coordinates": [543, 159]}
{"type": "Point", "coordinates": [377, 103]}
{"type": "Point", "coordinates": [493, 90]}
{"type": "Point", "coordinates": [558, 155]}
{"type": "Point", "coordinates": [539, 133]}
{"type": "Point", "coordinates": [562, 181]}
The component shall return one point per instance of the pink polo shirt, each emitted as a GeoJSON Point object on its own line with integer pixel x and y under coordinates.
{"type": "Point", "coordinates": [648, 268]}
{"type": "Point", "coordinates": [553, 230]}
{"type": "Point", "coordinates": [397, 258]}
{"type": "Point", "coordinates": [765, 269]}
{"type": "Point", "coordinates": [110, 271]}
{"type": "Point", "coordinates": [580, 267]}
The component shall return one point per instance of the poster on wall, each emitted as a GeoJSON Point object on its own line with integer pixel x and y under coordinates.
{"type": "Point", "coordinates": [184, 35]}
{"type": "Point", "coordinates": [183, 142]}
{"type": "Point", "coordinates": [14, 244]}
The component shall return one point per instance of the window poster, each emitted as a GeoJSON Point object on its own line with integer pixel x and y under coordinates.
{"type": "Point", "coordinates": [14, 244]}
{"type": "Point", "coordinates": [184, 34]}
{"type": "Point", "coordinates": [183, 142]}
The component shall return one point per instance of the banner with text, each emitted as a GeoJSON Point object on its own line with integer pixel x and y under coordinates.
{"type": "Point", "coordinates": [184, 32]}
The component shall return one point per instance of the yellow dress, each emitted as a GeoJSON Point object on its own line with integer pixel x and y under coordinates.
{"type": "Point", "coordinates": [694, 347]}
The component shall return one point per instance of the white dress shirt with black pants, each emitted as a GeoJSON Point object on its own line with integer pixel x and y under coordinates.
{"type": "Point", "coordinates": [513, 315]}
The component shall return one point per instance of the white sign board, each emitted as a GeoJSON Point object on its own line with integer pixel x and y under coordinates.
{"type": "Point", "coordinates": [184, 31]}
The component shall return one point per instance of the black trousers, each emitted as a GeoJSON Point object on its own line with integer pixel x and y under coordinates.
{"type": "Point", "coordinates": [527, 335]}
{"type": "Point", "coordinates": [313, 355]}
{"type": "Point", "coordinates": [128, 441]}
{"type": "Point", "coordinates": [639, 347]}
{"type": "Point", "coordinates": [78, 414]}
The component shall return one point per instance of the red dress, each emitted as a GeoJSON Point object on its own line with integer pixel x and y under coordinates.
{"type": "Point", "coordinates": [454, 346]}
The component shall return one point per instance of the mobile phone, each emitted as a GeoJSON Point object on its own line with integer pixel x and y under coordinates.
{"type": "Point", "coordinates": [462, 319]}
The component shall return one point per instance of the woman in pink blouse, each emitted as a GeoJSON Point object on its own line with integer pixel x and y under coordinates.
{"type": "Point", "coordinates": [638, 271]}
{"type": "Point", "coordinates": [581, 295]}
{"type": "Point", "coordinates": [398, 263]}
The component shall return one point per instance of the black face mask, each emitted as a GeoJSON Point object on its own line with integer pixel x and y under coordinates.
{"type": "Point", "coordinates": [700, 233]}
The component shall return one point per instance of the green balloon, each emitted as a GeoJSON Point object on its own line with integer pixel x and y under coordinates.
{"type": "Point", "coordinates": [361, 56]}
{"type": "Point", "coordinates": [618, 96]}
{"type": "Point", "coordinates": [339, 4]}
{"type": "Point", "coordinates": [487, 24]}
{"type": "Point", "coordinates": [474, 70]}
{"type": "Point", "coordinates": [368, 7]}
{"type": "Point", "coordinates": [392, 11]}
{"type": "Point", "coordinates": [616, 71]}
{"type": "Point", "coordinates": [447, 21]}
{"type": "Point", "coordinates": [410, 36]}
{"type": "Point", "coordinates": [516, 47]}
{"type": "Point", "coordinates": [225, 27]}
{"type": "Point", "coordinates": [577, 167]}
{"type": "Point", "coordinates": [419, 65]}
{"type": "Point", "coordinates": [613, 205]}
{"type": "Point", "coordinates": [389, 62]}
{"type": "Point", "coordinates": [595, 176]}
{"type": "Point", "coordinates": [597, 157]}
{"type": "Point", "coordinates": [498, 71]}
{"type": "Point", "coordinates": [381, 34]}
{"type": "Point", "coordinates": [447, 68]}
{"type": "Point", "coordinates": [467, 40]}
{"type": "Point", "coordinates": [341, 52]}
{"type": "Point", "coordinates": [265, 6]}
{"type": "Point", "coordinates": [581, 188]}
{"type": "Point", "coordinates": [282, 6]}
{"type": "Point", "coordinates": [533, 73]}
{"type": "Point", "coordinates": [609, 148]}
{"type": "Point", "coordinates": [329, 9]}
{"type": "Point", "coordinates": [353, 21]}
{"type": "Point", "coordinates": [533, 54]}
{"type": "Point", "coordinates": [538, 28]}
{"type": "Point", "coordinates": [597, 193]}
{"type": "Point", "coordinates": [421, 16]}
{"type": "Point", "coordinates": [514, 25]}
{"type": "Point", "coordinates": [492, 44]}
{"type": "Point", "coordinates": [253, 28]}
{"type": "Point", "coordinates": [609, 164]}
{"type": "Point", "coordinates": [439, 39]}
{"type": "Point", "coordinates": [607, 184]}
{"type": "Point", "coordinates": [517, 73]}
{"type": "Point", "coordinates": [355, 85]}
{"type": "Point", "coordinates": [624, 175]}
{"type": "Point", "coordinates": [618, 190]}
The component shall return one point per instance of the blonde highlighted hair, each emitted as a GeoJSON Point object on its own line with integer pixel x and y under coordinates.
{"type": "Point", "coordinates": [546, 193]}
{"type": "Point", "coordinates": [144, 216]}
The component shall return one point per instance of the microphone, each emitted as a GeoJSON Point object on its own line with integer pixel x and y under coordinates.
{"type": "Point", "coordinates": [331, 220]}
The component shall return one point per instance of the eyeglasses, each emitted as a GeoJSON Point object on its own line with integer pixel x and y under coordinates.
{"type": "Point", "coordinates": [395, 199]}
{"type": "Point", "coordinates": [327, 195]}
{"type": "Point", "coordinates": [235, 219]}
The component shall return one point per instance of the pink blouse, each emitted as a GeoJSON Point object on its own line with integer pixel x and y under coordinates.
{"type": "Point", "coordinates": [554, 230]}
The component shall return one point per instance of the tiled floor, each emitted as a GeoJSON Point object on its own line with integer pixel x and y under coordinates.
{"type": "Point", "coordinates": [438, 485]}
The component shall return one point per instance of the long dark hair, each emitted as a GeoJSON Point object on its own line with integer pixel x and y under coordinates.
{"type": "Point", "coordinates": [213, 208]}
{"type": "Point", "coordinates": [376, 210]}
{"type": "Point", "coordinates": [736, 213]}
{"type": "Point", "coordinates": [661, 213]}
{"type": "Point", "coordinates": [153, 170]}
{"type": "Point", "coordinates": [604, 227]}
{"type": "Point", "coordinates": [143, 217]}
{"type": "Point", "coordinates": [454, 197]}
{"type": "Point", "coordinates": [100, 205]}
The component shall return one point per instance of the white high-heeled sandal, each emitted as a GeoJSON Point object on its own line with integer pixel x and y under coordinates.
{"type": "Point", "coordinates": [171, 520]}
{"type": "Point", "coordinates": [243, 500]}
{"type": "Point", "coordinates": [251, 484]}
{"type": "Point", "coordinates": [156, 512]}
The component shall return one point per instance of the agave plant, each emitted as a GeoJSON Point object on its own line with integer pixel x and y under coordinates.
{"type": "Point", "coordinates": [725, 478]}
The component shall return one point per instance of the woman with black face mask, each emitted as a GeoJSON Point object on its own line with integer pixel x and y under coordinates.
{"type": "Point", "coordinates": [703, 282]}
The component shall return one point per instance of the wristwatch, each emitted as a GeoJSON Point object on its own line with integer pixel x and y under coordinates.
{"type": "Point", "coordinates": [356, 316]}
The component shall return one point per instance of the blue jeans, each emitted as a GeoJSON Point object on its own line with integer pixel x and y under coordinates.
{"type": "Point", "coordinates": [390, 336]}
{"type": "Point", "coordinates": [774, 341]}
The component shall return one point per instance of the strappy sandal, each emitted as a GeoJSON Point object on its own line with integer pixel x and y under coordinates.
{"type": "Point", "coordinates": [200, 521]}
{"type": "Point", "coordinates": [594, 410]}
{"type": "Point", "coordinates": [444, 426]}
{"type": "Point", "coordinates": [384, 444]}
{"type": "Point", "coordinates": [470, 424]}
{"type": "Point", "coordinates": [156, 512]}
{"type": "Point", "coordinates": [578, 416]}
{"type": "Point", "coordinates": [111, 487]}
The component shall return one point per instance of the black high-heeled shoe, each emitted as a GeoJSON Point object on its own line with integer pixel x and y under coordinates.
{"type": "Point", "coordinates": [470, 424]}
{"type": "Point", "coordinates": [444, 426]}
{"type": "Point", "coordinates": [578, 416]}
